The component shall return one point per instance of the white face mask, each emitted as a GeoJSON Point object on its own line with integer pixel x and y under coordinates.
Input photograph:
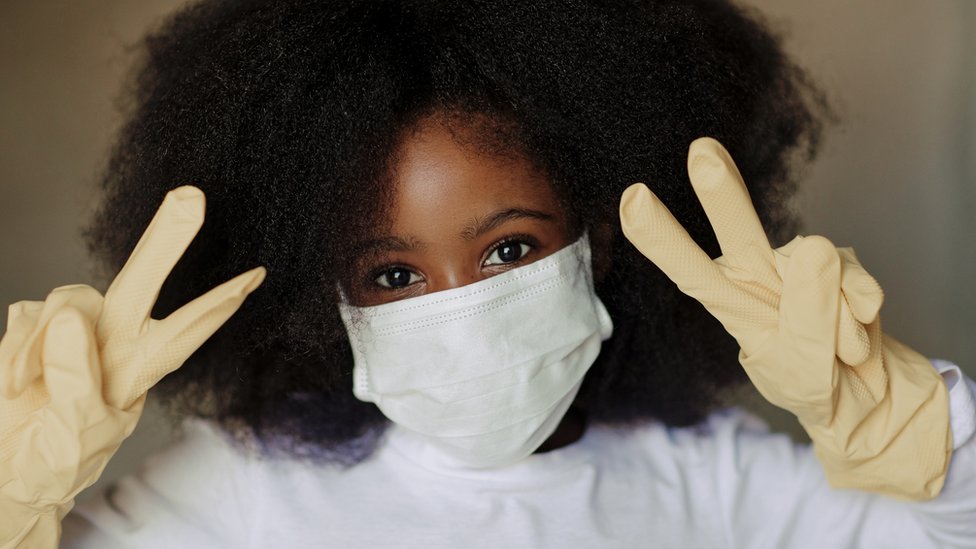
{"type": "Point", "coordinates": [485, 371]}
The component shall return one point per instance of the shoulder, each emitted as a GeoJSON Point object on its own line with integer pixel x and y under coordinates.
{"type": "Point", "coordinates": [189, 493]}
{"type": "Point", "coordinates": [206, 490]}
{"type": "Point", "coordinates": [732, 433]}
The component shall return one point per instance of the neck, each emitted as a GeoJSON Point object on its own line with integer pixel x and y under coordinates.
{"type": "Point", "coordinates": [570, 429]}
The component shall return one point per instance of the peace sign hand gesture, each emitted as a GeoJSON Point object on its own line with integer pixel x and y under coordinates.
{"type": "Point", "coordinates": [75, 368]}
{"type": "Point", "coordinates": [806, 319]}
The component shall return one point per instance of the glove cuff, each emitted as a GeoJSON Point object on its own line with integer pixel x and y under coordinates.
{"type": "Point", "coordinates": [903, 443]}
{"type": "Point", "coordinates": [25, 527]}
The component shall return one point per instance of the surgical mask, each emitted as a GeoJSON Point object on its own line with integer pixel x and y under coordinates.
{"type": "Point", "coordinates": [486, 371]}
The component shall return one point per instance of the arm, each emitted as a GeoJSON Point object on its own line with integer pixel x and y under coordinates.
{"type": "Point", "coordinates": [74, 371]}
{"type": "Point", "coordinates": [196, 493]}
{"type": "Point", "coordinates": [773, 492]}
{"type": "Point", "coordinates": [806, 319]}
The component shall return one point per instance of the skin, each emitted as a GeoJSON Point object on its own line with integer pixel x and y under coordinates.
{"type": "Point", "coordinates": [459, 216]}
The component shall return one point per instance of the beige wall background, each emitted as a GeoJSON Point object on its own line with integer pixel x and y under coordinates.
{"type": "Point", "coordinates": [896, 179]}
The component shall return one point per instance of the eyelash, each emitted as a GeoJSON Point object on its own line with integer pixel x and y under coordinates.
{"type": "Point", "coordinates": [531, 242]}
{"type": "Point", "coordinates": [512, 239]}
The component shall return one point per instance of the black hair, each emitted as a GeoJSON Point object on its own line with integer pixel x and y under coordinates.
{"type": "Point", "coordinates": [286, 112]}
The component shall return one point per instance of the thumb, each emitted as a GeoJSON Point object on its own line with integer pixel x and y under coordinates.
{"type": "Point", "coordinates": [811, 300]}
{"type": "Point", "coordinates": [72, 372]}
{"type": "Point", "coordinates": [861, 289]}
{"type": "Point", "coordinates": [17, 369]}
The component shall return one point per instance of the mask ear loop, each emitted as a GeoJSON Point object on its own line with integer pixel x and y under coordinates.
{"type": "Point", "coordinates": [606, 321]}
{"type": "Point", "coordinates": [585, 256]}
{"type": "Point", "coordinates": [353, 319]}
{"type": "Point", "coordinates": [343, 298]}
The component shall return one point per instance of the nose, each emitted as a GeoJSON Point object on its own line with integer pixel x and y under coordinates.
{"type": "Point", "coordinates": [453, 277]}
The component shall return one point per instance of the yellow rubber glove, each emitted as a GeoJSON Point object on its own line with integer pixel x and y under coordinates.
{"type": "Point", "coordinates": [75, 368]}
{"type": "Point", "coordinates": [806, 319]}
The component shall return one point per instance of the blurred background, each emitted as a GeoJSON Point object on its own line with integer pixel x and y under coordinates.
{"type": "Point", "coordinates": [896, 178]}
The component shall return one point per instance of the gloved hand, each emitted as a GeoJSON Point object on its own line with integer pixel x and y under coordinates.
{"type": "Point", "coordinates": [806, 319]}
{"type": "Point", "coordinates": [75, 368]}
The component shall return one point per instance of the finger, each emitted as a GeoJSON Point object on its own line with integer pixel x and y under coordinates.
{"type": "Point", "coordinates": [648, 224]}
{"type": "Point", "coordinates": [16, 311]}
{"type": "Point", "coordinates": [15, 367]}
{"type": "Point", "coordinates": [782, 255]}
{"type": "Point", "coordinates": [72, 372]}
{"type": "Point", "coordinates": [130, 298]}
{"type": "Point", "coordinates": [20, 349]}
{"type": "Point", "coordinates": [726, 201]}
{"type": "Point", "coordinates": [861, 289]}
{"type": "Point", "coordinates": [811, 301]}
{"type": "Point", "coordinates": [651, 227]}
{"type": "Point", "coordinates": [853, 346]}
{"type": "Point", "coordinates": [172, 340]}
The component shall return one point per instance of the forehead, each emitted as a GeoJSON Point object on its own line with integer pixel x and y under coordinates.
{"type": "Point", "coordinates": [443, 177]}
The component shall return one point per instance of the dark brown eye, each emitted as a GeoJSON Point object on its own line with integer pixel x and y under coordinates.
{"type": "Point", "coordinates": [508, 252]}
{"type": "Point", "coordinates": [396, 278]}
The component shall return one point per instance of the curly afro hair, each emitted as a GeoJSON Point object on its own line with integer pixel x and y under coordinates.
{"type": "Point", "coordinates": [286, 113]}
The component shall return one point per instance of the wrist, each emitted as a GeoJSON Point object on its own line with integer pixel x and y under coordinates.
{"type": "Point", "coordinates": [28, 527]}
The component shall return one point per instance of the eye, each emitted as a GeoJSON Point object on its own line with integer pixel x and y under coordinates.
{"type": "Point", "coordinates": [508, 252]}
{"type": "Point", "coordinates": [396, 277]}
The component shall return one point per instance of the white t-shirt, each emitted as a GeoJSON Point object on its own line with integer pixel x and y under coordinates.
{"type": "Point", "coordinates": [725, 483]}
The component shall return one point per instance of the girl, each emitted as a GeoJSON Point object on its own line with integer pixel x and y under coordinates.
{"type": "Point", "coordinates": [466, 327]}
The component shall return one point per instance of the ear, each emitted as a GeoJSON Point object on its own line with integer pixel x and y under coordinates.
{"type": "Point", "coordinates": [601, 238]}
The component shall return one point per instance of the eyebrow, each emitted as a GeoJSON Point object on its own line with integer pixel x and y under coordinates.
{"type": "Point", "coordinates": [475, 228]}
{"type": "Point", "coordinates": [479, 226]}
{"type": "Point", "coordinates": [391, 244]}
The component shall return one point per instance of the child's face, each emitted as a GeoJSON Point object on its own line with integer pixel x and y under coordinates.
{"type": "Point", "coordinates": [458, 217]}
